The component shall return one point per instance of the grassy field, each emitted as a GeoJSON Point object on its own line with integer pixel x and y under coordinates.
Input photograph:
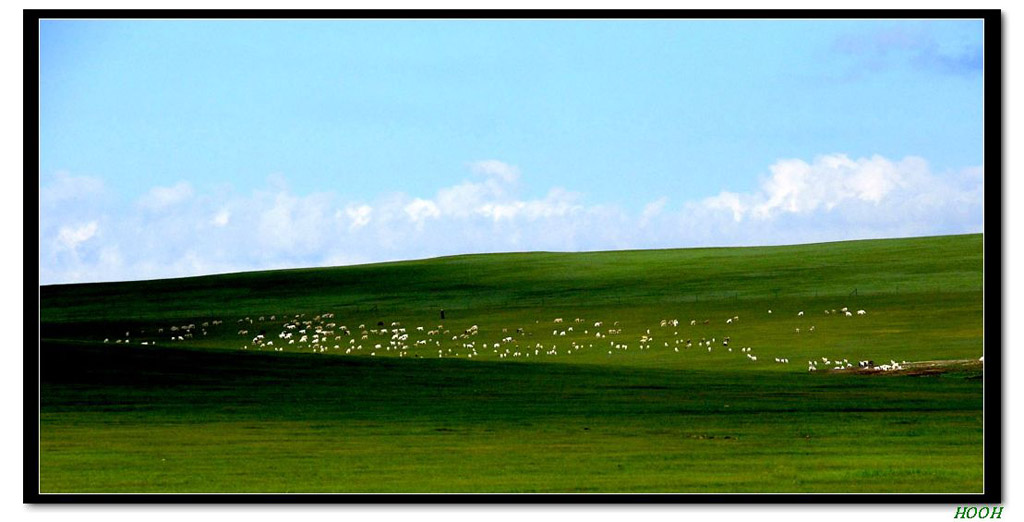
{"type": "Point", "coordinates": [499, 397]}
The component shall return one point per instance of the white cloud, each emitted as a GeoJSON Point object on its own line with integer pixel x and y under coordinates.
{"type": "Point", "coordinates": [798, 187]}
{"type": "Point", "coordinates": [496, 169]}
{"type": "Point", "coordinates": [290, 225]}
{"type": "Point", "coordinates": [110, 257]}
{"type": "Point", "coordinates": [66, 187]}
{"type": "Point", "coordinates": [421, 209]}
{"type": "Point", "coordinates": [500, 211]}
{"type": "Point", "coordinates": [160, 198]}
{"type": "Point", "coordinates": [654, 208]}
{"type": "Point", "coordinates": [558, 202]}
{"type": "Point", "coordinates": [359, 215]}
{"type": "Point", "coordinates": [221, 219]}
{"type": "Point", "coordinates": [835, 198]}
{"type": "Point", "coordinates": [465, 199]}
{"type": "Point", "coordinates": [831, 197]}
{"type": "Point", "coordinates": [730, 201]}
{"type": "Point", "coordinates": [70, 237]}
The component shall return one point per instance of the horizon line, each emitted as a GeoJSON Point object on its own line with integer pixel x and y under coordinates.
{"type": "Point", "coordinates": [468, 254]}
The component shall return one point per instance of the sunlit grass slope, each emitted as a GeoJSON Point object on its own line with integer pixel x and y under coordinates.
{"type": "Point", "coordinates": [521, 402]}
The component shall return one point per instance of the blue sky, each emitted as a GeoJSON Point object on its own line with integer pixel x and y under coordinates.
{"type": "Point", "coordinates": [171, 148]}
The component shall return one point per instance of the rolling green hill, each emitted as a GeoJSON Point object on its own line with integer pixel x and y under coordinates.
{"type": "Point", "coordinates": [588, 372]}
{"type": "Point", "coordinates": [645, 277]}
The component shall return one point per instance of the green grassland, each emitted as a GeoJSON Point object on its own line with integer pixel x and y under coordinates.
{"type": "Point", "coordinates": [445, 410]}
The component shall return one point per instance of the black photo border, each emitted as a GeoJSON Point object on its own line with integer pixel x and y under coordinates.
{"type": "Point", "coordinates": [993, 239]}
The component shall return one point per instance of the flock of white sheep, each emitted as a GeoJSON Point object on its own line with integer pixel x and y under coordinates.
{"type": "Point", "coordinates": [322, 334]}
{"type": "Point", "coordinates": [172, 333]}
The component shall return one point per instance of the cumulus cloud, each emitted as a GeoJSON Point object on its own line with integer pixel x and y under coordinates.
{"type": "Point", "coordinates": [221, 218]}
{"type": "Point", "coordinates": [835, 197]}
{"type": "Point", "coordinates": [831, 197]}
{"type": "Point", "coordinates": [558, 202]}
{"type": "Point", "coordinates": [290, 225]}
{"type": "Point", "coordinates": [496, 197]}
{"type": "Point", "coordinates": [160, 198]}
{"type": "Point", "coordinates": [798, 187]}
{"type": "Point", "coordinates": [494, 168]}
{"type": "Point", "coordinates": [359, 215]}
{"type": "Point", "coordinates": [65, 187]}
{"type": "Point", "coordinates": [70, 237]}
{"type": "Point", "coordinates": [421, 209]}
{"type": "Point", "coordinates": [729, 201]}
{"type": "Point", "coordinates": [654, 208]}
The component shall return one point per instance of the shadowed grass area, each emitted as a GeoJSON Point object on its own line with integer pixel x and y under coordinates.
{"type": "Point", "coordinates": [181, 420]}
{"type": "Point", "coordinates": [579, 414]}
